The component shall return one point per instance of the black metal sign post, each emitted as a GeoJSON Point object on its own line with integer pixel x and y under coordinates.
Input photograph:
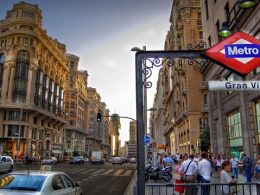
{"type": "Point", "coordinates": [144, 62]}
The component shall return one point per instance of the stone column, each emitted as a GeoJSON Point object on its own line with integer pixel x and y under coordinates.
{"type": "Point", "coordinates": [220, 128]}
{"type": "Point", "coordinates": [246, 131]}
{"type": "Point", "coordinates": [30, 84]}
{"type": "Point", "coordinates": [11, 83]}
{"type": "Point", "coordinates": [5, 81]}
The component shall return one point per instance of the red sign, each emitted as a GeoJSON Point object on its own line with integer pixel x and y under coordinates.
{"type": "Point", "coordinates": [160, 146]}
{"type": "Point", "coordinates": [239, 52]}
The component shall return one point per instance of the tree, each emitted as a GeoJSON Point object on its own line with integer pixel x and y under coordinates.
{"type": "Point", "coordinates": [115, 118]}
{"type": "Point", "coordinates": [205, 139]}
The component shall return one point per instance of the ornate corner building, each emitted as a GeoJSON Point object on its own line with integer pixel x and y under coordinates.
{"type": "Point", "coordinates": [46, 106]}
{"type": "Point", "coordinates": [32, 81]}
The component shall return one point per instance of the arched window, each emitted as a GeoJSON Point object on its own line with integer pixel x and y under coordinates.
{"type": "Point", "coordinates": [21, 75]}
{"type": "Point", "coordinates": [2, 61]}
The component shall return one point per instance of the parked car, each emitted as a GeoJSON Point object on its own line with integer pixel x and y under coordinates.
{"type": "Point", "coordinates": [38, 183]}
{"type": "Point", "coordinates": [124, 160]}
{"type": "Point", "coordinates": [31, 159]}
{"type": "Point", "coordinates": [117, 160]}
{"type": "Point", "coordinates": [110, 160]}
{"type": "Point", "coordinates": [49, 161]}
{"type": "Point", "coordinates": [77, 160]}
{"type": "Point", "coordinates": [132, 160]}
{"type": "Point", "coordinates": [6, 163]}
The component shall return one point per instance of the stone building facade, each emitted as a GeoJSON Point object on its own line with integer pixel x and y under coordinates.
{"type": "Point", "coordinates": [132, 143]}
{"type": "Point", "coordinates": [46, 106]}
{"type": "Point", "coordinates": [157, 117]}
{"type": "Point", "coordinates": [76, 107]}
{"type": "Point", "coordinates": [93, 138]}
{"type": "Point", "coordinates": [104, 128]}
{"type": "Point", "coordinates": [32, 81]}
{"type": "Point", "coordinates": [234, 115]}
{"type": "Point", "coordinates": [181, 82]}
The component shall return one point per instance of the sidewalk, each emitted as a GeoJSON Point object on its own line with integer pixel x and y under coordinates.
{"type": "Point", "coordinates": [215, 179]}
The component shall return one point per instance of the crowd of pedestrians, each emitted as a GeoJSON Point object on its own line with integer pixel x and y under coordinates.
{"type": "Point", "coordinates": [200, 168]}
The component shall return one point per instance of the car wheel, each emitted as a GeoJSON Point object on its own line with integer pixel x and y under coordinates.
{"type": "Point", "coordinates": [11, 169]}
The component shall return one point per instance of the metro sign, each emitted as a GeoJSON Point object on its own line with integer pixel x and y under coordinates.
{"type": "Point", "coordinates": [239, 52]}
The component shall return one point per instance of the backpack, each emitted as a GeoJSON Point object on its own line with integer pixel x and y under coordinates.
{"type": "Point", "coordinates": [250, 162]}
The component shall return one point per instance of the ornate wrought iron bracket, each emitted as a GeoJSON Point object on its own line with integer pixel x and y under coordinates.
{"type": "Point", "coordinates": [151, 59]}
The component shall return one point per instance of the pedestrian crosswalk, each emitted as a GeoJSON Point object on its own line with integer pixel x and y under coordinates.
{"type": "Point", "coordinates": [95, 171]}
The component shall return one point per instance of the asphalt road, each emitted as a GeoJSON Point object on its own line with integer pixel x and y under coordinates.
{"type": "Point", "coordinates": [93, 179]}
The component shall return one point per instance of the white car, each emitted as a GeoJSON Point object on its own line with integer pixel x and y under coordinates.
{"type": "Point", "coordinates": [6, 163]}
{"type": "Point", "coordinates": [49, 161]}
{"type": "Point", "coordinates": [132, 160]}
{"type": "Point", "coordinates": [38, 183]}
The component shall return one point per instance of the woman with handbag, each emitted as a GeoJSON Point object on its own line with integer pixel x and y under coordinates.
{"type": "Point", "coordinates": [177, 179]}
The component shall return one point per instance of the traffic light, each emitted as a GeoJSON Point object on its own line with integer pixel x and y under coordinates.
{"type": "Point", "coordinates": [99, 117]}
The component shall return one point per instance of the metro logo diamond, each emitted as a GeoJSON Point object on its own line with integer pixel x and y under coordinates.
{"type": "Point", "coordinates": [240, 52]}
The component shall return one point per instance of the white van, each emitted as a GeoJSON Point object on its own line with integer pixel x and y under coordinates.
{"type": "Point", "coordinates": [97, 157]}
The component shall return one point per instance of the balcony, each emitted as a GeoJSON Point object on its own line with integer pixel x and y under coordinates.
{"type": "Point", "coordinates": [204, 108]}
{"type": "Point", "coordinates": [182, 114]}
{"type": "Point", "coordinates": [182, 69]}
{"type": "Point", "coordinates": [204, 85]}
{"type": "Point", "coordinates": [177, 99]}
{"type": "Point", "coordinates": [184, 91]}
{"type": "Point", "coordinates": [187, 4]}
{"type": "Point", "coordinates": [199, 22]}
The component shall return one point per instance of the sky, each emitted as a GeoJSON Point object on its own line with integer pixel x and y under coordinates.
{"type": "Point", "coordinates": [101, 33]}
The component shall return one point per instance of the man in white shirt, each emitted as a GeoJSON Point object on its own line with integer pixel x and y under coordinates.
{"type": "Point", "coordinates": [205, 170]}
{"type": "Point", "coordinates": [189, 169]}
{"type": "Point", "coordinates": [234, 166]}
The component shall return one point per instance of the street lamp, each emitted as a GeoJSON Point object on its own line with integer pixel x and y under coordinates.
{"type": "Point", "coordinates": [246, 3]}
{"type": "Point", "coordinates": [243, 4]}
{"type": "Point", "coordinates": [225, 30]}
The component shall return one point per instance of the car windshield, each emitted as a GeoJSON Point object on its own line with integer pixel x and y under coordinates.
{"type": "Point", "coordinates": [22, 182]}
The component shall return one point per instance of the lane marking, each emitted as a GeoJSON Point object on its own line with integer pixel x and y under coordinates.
{"type": "Point", "coordinates": [98, 171]}
{"type": "Point", "coordinates": [108, 171]}
{"type": "Point", "coordinates": [118, 172]}
{"type": "Point", "coordinates": [128, 172]}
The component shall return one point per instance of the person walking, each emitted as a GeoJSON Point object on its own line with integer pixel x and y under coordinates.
{"type": "Point", "coordinates": [234, 166]}
{"type": "Point", "coordinates": [219, 164]}
{"type": "Point", "coordinates": [177, 178]}
{"type": "Point", "coordinates": [204, 172]}
{"type": "Point", "coordinates": [247, 163]}
{"type": "Point", "coordinates": [225, 178]}
{"type": "Point", "coordinates": [167, 161]}
{"type": "Point", "coordinates": [189, 170]}
{"type": "Point", "coordinates": [257, 170]}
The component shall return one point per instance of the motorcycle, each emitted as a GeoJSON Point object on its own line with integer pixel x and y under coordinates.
{"type": "Point", "coordinates": [158, 172]}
